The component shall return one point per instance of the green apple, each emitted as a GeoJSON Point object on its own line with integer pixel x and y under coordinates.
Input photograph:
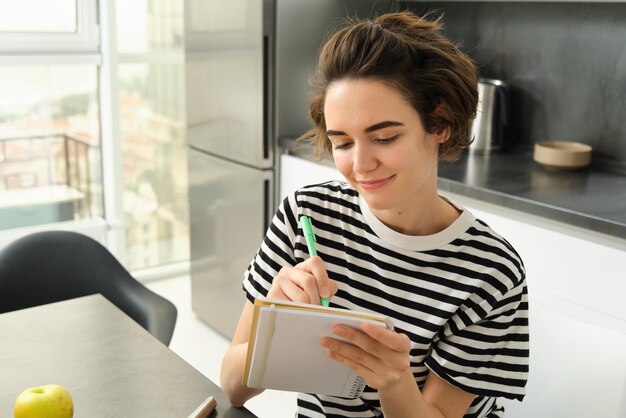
{"type": "Point", "coordinates": [47, 401]}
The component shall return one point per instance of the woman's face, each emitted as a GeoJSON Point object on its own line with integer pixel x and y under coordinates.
{"type": "Point", "coordinates": [381, 147]}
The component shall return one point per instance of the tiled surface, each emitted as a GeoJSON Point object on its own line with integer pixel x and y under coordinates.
{"type": "Point", "coordinates": [204, 348]}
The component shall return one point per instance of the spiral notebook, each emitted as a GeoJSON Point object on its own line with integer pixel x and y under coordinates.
{"type": "Point", "coordinates": [284, 351]}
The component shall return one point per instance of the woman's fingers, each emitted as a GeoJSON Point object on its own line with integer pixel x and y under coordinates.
{"type": "Point", "coordinates": [298, 286]}
{"type": "Point", "coordinates": [315, 266]}
{"type": "Point", "coordinates": [306, 282]}
{"type": "Point", "coordinates": [391, 339]}
{"type": "Point", "coordinates": [379, 346]}
{"type": "Point", "coordinates": [371, 368]}
{"type": "Point", "coordinates": [352, 352]}
{"type": "Point", "coordinates": [380, 353]}
{"type": "Point", "coordinates": [356, 360]}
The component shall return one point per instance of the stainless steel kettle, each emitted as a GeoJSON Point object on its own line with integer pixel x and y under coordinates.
{"type": "Point", "coordinates": [488, 128]}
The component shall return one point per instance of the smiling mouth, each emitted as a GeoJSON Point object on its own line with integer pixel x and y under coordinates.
{"type": "Point", "coordinates": [370, 185]}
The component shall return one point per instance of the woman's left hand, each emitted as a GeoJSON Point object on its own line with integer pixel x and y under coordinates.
{"type": "Point", "coordinates": [380, 356]}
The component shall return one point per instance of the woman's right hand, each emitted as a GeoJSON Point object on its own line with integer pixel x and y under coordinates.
{"type": "Point", "coordinates": [305, 282]}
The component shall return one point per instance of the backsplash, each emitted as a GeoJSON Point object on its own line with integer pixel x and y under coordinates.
{"type": "Point", "coordinates": [565, 64]}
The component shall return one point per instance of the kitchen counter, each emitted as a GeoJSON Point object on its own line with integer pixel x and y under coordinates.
{"type": "Point", "coordinates": [591, 198]}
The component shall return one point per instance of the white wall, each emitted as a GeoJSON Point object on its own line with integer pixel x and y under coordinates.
{"type": "Point", "coordinates": [297, 172]}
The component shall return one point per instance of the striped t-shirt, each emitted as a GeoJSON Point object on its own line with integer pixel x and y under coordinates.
{"type": "Point", "coordinates": [460, 295]}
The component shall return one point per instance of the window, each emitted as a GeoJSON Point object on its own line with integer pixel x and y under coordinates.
{"type": "Point", "coordinates": [50, 167]}
{"type": "Point", "coordinates": [56, 26]}
{"type": "Point", "coordinates": [72, 107]}
{"type": "Point", "coordinates": [54, 16]}
{"type": "Point", "coordinates": [49, 144]}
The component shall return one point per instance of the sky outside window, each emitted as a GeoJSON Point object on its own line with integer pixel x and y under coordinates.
{"type": "Point", "coordinates": [38, 16]}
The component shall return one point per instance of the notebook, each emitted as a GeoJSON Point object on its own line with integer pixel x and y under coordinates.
{"type": "Point", "coordinates": [284, 352]}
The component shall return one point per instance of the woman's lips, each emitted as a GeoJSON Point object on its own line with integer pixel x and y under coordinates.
{"type": "Point", "coordinates": [369, 185]}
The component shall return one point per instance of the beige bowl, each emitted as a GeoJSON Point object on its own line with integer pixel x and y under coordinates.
{"type": "Point", "coordinates": [562, 154]}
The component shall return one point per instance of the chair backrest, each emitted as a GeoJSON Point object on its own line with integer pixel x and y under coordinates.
{"type": "Point", "coordinates": [51, 266]}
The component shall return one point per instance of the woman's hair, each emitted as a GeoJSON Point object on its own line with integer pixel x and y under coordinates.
{"type": "Point", "coordinates": [409, 54]}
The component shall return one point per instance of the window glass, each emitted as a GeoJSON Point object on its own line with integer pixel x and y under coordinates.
{"type": "Point", "coordinates": [153, 132]}
{"type": "Point", "coordinates": [49, 144]}
{"type": "Point", "coordinates": [50, 16]}
{"type": "Point", "coordinates": [150, 26]}
{"type": "Point", "coordinates": [132, 31]}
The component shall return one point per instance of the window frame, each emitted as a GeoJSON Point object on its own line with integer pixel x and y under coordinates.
{"type": "Point", "coordinates": [86, 39]}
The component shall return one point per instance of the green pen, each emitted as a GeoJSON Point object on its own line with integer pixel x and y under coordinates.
{"type": "Point", "coordinates": [309, 236]}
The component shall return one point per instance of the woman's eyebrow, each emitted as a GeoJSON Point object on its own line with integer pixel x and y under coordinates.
{"type": "Point", "coordinates": [335, 133]}
{"type": "Point", "coordinates": [375, 127]}
{"type": "Point", "coordinates": [382, 125]}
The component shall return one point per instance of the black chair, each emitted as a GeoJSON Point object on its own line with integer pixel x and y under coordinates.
{"type": "Point", "coordinates": [52, 266]}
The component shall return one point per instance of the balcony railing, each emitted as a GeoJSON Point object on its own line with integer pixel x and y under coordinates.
{"type": "Point", "coordinates": [48, 171]}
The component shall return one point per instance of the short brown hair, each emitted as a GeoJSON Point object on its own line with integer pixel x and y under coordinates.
{"type": "Point", "coordinates": [410, 54]}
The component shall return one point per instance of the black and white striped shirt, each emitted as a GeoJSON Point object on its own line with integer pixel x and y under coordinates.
{"type": "Point", "coordinates": [460, 295]}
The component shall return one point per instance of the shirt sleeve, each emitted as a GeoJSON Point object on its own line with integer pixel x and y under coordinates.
{"type": "Point", "coordinates": [275, 252]}
{"type": "Point", "coordinates": [486, 355]}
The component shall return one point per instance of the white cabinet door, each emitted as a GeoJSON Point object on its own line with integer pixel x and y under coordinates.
{"type": "Point", "coordinates": [577, 319]}
{"type": "Point", "coordinates": [581, 271]}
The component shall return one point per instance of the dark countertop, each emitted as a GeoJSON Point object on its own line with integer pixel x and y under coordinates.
{"type": "Point", "coordinates": [111, 366]}
{"type": "Point", "coordinates": [592, 198]}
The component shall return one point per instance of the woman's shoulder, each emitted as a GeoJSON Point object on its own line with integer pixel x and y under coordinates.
{"type": "Point", "coordinates": [335, 191]}
{"type": "Point", "coordinates": [332, 187]}
{"type": "Point", "coordinates": [494, 251]}
{"type": "Point", "coordinates": [323, 200]}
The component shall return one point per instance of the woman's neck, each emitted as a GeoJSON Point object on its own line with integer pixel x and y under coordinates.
{"type": "Point", "coordinates": [426, 217]}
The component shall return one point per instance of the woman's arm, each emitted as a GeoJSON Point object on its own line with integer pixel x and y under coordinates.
{"type": "Point", "coordinates": [235, 360]}
{"type": "Point", "coordinates": [437, 398]}
{"type": "Point", "coordinates": [382, 358]}
{"type": "Point", "coordinates": [306, 282]}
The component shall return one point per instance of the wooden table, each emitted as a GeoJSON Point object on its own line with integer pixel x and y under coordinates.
{"type": "Point", "coordinates": [111, 366]}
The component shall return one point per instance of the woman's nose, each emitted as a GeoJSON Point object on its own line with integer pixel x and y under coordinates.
{"type": "Point", "coordinates": [364, 159]}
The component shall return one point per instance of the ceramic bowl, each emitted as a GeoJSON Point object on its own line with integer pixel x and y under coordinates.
{"type": "Point", "coordinates": [563, 155]}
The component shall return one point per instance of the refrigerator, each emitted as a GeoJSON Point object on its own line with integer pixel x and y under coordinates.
{"type": "Point", "coordinates": [247, 63]}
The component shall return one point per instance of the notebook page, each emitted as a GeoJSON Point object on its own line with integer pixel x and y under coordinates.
{"type": "Point", "coordinates": [297, 362]}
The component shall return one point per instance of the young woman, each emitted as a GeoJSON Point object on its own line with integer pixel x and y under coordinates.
{"type": "Point", "coordinates": [391, 98]}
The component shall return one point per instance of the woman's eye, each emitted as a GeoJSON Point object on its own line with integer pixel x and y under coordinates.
{"type": "Point", "coordinates": [386, 140]}
{"type": "Point", "coordinates": [345, 145]}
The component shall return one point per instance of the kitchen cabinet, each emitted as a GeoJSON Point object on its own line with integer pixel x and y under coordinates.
{"type": "Point", "coordinates": [576, 285]}
{"type": "Point", "coordinates": [573, 268]}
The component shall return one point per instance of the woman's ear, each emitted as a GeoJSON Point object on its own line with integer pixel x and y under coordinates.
{"type": "Point", "coordinates": [442, 129]}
